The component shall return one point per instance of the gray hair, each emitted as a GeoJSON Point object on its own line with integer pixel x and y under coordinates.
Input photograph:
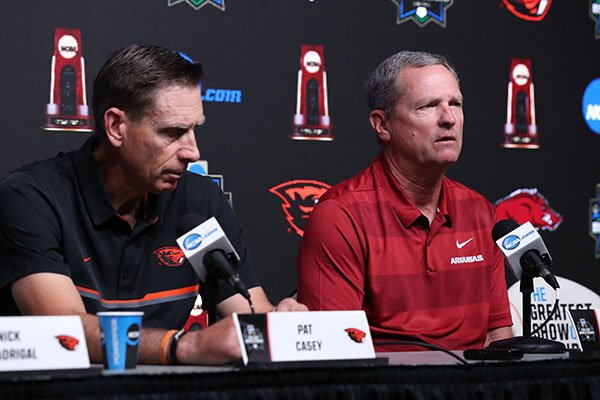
{"type": "Point", "coordinates": [381, 89]}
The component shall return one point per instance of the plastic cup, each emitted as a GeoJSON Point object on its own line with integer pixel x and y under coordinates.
{"type": "Point", "coordinates": [120, 333]}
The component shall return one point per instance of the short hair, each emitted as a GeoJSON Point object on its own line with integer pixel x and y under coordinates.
{"type": "Point", "coordinates": [381, 89]}
{"type": "Point", "coordinates": [131, 77]}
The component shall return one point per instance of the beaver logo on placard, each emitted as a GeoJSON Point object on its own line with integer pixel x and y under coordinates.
{"type": "Point", "coordinates": [68, 342]}
{"type": "Point", "coordinates": [530, 10]}
{"type": "Point", "coordinates": [356, 334]}
{"type": "Point", "coordinates": [299, 198]}
{"type": "Point", "coordinates": [198, 4]}
{"type": "Point", "coordinates": [170, 256]}
{"type": "Point", "coordinates": [524, 205]}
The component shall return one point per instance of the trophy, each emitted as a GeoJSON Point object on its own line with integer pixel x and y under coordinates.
{"type": "Point", "coordinates": [520, 130]}
{"type": "Point", "coordinates": [595, 220]}
{"type": "Point", "coordinates": [311, 121]}
{"type": "Point", "coordinates": [595, 14]}
{"type": "Point", "coordinates": [67, 109]}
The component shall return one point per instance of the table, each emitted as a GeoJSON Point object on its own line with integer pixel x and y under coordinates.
{"type": "Point", "coordinates": [421, 375]}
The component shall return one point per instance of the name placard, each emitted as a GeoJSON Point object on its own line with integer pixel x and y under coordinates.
{"type": "Point", "coordinates": [304, 336]}
{"type": "Point", "coordinates": [42, 343]}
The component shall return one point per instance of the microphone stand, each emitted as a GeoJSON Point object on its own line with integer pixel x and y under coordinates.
{"type": "Point", "coordinates": [528, 343]}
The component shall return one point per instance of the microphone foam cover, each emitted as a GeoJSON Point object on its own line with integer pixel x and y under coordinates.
{"type": "Point", "coordinates": [503, 227]}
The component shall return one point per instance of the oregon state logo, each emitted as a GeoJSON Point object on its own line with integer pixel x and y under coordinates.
{"type": "Point", "coordinates": [170, 256]}
{"type": "Point", "coordinates": [530, 10]}
{"type": "Point", "coordinates": [524, 205]}
{"type": "Point", "coordinates": [356, 334]}
{"type": "Point", "coordinates": [68, 342]}
{"type": "Point", "coordinates": [299, 198]}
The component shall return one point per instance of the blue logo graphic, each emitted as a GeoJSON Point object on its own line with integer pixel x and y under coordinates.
{"type": "Point", "coordinates": [198, 4]}
{"type": "Point", "coordinates": [217, 95]}
{"type": "Point", "coordinates": [422, 12]}
{"type": "Point", "coordinates": [197, 169]}
{"type": "Point", "coordinates": [511, 242]}
{"type": "Point", "coordinates": [222, 95]}
{"type": "Point", "coordinates": [591, 105]}
{"type": "Point", "coordinates": [192, 241]}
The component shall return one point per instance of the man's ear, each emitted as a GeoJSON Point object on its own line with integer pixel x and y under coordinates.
{"type": "Point", "coordinates": [115, 126]}
{"type": "Point", "coordinates": [380, 124]}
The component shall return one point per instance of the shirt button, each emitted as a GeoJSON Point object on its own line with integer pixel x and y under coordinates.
{"type": "Point", "coordinates": [125, 275]}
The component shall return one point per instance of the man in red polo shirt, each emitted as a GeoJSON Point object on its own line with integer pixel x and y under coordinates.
{"type": "Point", "coordinates": [400, 240]}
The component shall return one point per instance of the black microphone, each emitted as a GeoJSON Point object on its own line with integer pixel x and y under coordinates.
{"type": "Point", "coordinates": [209, 251]}
{"type": "Point", "coordinates": [524, 250]}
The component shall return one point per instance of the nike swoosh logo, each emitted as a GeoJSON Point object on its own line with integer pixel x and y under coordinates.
{"type": "Point", "coordinates": [86, 259]}
{"type": "Point", "coordinates": [463, 244]}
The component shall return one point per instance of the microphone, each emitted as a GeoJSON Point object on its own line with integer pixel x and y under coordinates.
{"type": "Point", "coordinates": [524, 250]}
{"type": "Point", "coordinates": [209, 251]}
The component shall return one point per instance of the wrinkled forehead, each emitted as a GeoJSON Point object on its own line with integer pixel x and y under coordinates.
{"type": "Point", "coordinates": [431, 78]}
{"type": "Point", "coordinates": [174, 96]}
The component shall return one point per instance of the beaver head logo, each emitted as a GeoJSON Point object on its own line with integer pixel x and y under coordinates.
{"type": "Point", "coordinates": [170, 256]}
{"type": "Point", "coordinates": [68, 342]}
{"type": "Point", "coordinates": [531, 10]}
{"type": "Point", "coordinates": [299, 198]}
{"type": "Point", "coordinates": [356, 334]}
{"type": "Point", "coordinates": [524, 205]}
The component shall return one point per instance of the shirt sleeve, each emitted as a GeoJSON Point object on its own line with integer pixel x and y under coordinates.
{"type": "Point", "coordinates": [29, 230]}
{"type": "Point", "coordinates": [331, 260]}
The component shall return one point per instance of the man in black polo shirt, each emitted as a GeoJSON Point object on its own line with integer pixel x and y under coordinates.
{"type": "Point", "coordinates": [94, 229]}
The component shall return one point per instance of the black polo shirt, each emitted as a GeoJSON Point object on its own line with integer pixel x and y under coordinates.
{"type": "Point", "coordinates": [55, 217]}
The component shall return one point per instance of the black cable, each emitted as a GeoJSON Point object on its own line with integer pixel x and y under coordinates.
{"type": "Point", "coordinates": [422, 344]}
{"type": "Point", "coordinates": [539, 328]}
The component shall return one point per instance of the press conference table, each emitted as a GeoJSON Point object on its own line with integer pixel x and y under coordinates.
{"type": "Point", "coordinates": [418, 375]}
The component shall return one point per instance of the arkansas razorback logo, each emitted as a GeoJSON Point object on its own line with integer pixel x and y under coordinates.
{"type": "Point", "coordinates": [68, 342]}
{"type": "Point", "coordinates": [530, 10]}
{"type": "Point", "coordinates": [299, 198]}
{"type": "Point", "coordinates": [170, 256]}
{"type": "Point", "coordinates": [356, 334]}
{"type": "Point", "coordinates": [524, 205]}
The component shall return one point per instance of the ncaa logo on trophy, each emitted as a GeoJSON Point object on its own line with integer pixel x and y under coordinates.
{"type": "Point", "coordinates": [67, 109]}
{"type": "Point", "coordinates": [311, 121]}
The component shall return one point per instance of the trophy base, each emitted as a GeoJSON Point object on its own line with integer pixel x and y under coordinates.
{"type": "Point", "coordinates": [521, 146]}
{"type": "Point", "coordinates": [67, 123]}
{"type": "Point", "coordinates": [306, 133]}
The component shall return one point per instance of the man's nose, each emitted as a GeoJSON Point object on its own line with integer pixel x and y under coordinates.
{"type": "Point", "coordinates": [448, 116]}
{"type": "Point", "coordinates": [189, 150]}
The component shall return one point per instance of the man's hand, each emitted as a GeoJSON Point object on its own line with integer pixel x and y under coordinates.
{"type": "Point", "coordinates": [217, 344]}
{"type": "Point", "coordinates": [498, 334]}
{"type": "Point", "coordinates": [239, 304]}
{"type": "Point", "coordinates": [290, 304]}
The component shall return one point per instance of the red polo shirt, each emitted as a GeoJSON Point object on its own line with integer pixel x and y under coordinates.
{"type": "Point", "coordinates": [366, 246]}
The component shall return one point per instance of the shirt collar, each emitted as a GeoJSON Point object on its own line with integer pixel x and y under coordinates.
{"type": "Point", "coordinates": [400, 203]}
{"type": "Point", "coordinates": [97, 203]}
